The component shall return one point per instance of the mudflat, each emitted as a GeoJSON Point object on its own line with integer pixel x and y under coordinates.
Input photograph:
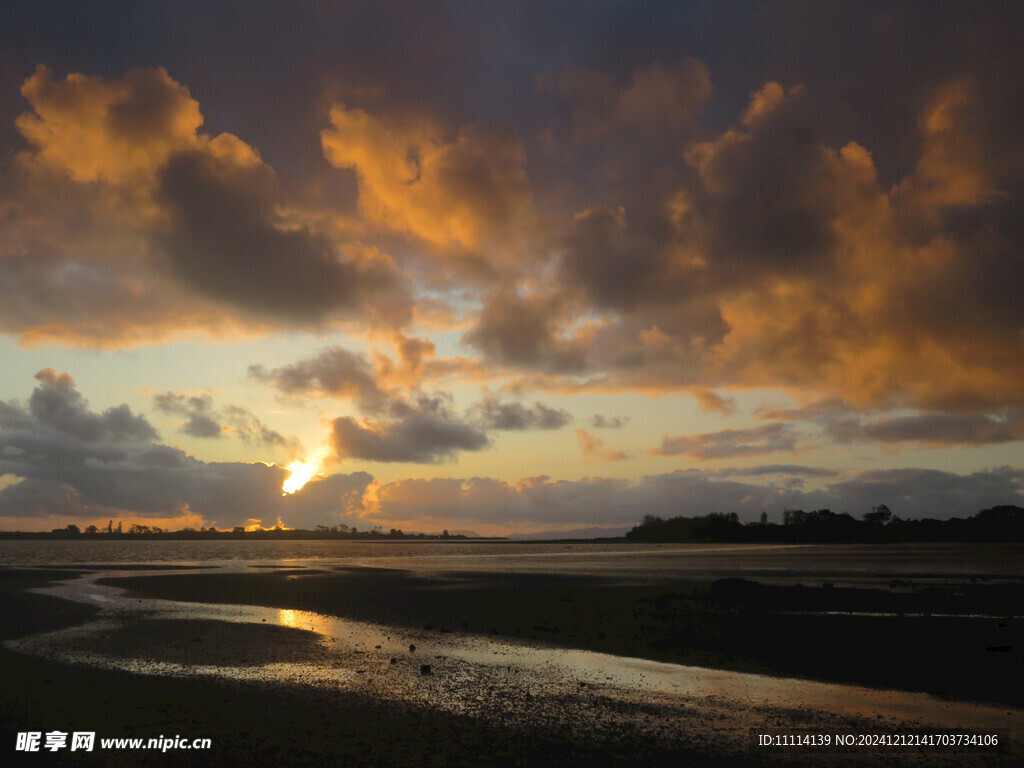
{"type": "Point", "coordinates": [952, 639]}
{"type": "Point", "coordinates": [386, 711]}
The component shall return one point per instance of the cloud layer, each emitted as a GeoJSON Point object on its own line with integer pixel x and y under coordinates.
{"type": "Point", "coordinates": [754, 249]}
{"type": "Point", "coordinates": [204, 421]}
{"type": "Point", "coordinates": [157, 227]}
{"type": "Point", "coordinates": [72, 462]}
{"type": "Point", "coordinates": [479, 213]}
{"type": "Point", "coordinates": [911, 493]}
{"type": "Point", "coordinates": [77, 463]}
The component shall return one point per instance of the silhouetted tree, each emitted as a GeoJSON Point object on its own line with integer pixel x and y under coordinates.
{"type": "Point", "coordinates": [793, 516]}
{"type": "Point", "coordinates": [879, 515]}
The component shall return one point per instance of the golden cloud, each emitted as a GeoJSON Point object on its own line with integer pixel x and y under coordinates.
{"type": "Point", "coordinates": [467, 193]}
{"type": "Point", "coordinates": [128, 225]}
{"type": "Point", "coordinates": [111, 131]}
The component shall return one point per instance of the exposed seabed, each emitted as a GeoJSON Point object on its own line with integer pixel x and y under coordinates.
{"type": "Point", "coordinates": [518, 685]}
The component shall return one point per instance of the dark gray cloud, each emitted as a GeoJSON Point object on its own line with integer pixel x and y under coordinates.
{"type": "Point", "coordinates": [74, 462]}
{"type": "Point", "coordinates": [492, 414]}
{"type": "Point", "coordinates": [40, 498]}
{"type": "Point", "coordinates": [846, 51]}
{"type": "Point", "coordinates": [425, 433]}
{"type": "Point", "coordinates": [488, 500]}
{"type": "Point", "coordinates": [621, 260]}
{"type": "Point", "coordinates": [820, 411]}
{"type": "Point", "coordinates": [223, 240]}
{"type": "Point", "coordinates": [333, 371]}
{"type": "Point", "coordinates": [55, 405]}
{"type": "Point", "coordinates": [775, 469]}
{"type": "Point", "coordinates": [146, 480]}
{"type": "Point", "coordinates": [79, 480]}
{"type": "Point", "coordinates": [910, 493]}
{"type": "Point", "coordinates": [842, 423]}
{"type": "Point", "coordinates": [201, 425]}
{"type": "Point", "coordinates": [730, 443]}
{"type": "Point", "coordinates": [252, 431]}
{"type": "Point", "coordinates": [514, 330]}
{"type": "Point", "coordinates": [657, 99]}
{"type": "Point", "coordinates": [197, 408]}
{"type": "Point", "coordinates": [918, 493]}
{"type": "Point", "coordinates": [419, 430]}
{"type": "Point", "coordinates": [205, 421]}
{"type": "Point", "coordinates": [327, 500]}
{"type": "Point", "coordinates": [936, 429]}
{"type": "Point", "coordinates": [759, 198]}
{"type": "Point", "coordinates": [608, 422]}
{"type": "Point", "coordinates": [54, 290]}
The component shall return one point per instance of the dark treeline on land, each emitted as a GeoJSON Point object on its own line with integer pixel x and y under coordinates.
{"type": "Point", "coordinates": [145, 532]}
{"type": "Point", "coordinates": [998, 524]}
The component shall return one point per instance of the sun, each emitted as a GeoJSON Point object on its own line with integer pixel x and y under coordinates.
{"type": "Point", "coordinates": [301, 473]}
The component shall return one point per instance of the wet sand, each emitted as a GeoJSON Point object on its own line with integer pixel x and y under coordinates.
{"type": "Point", "coordinates": [288, 684]}
{"type": "Point", "coordinates": [950, 638]}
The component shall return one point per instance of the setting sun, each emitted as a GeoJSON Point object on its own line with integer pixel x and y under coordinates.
{"type": "Point", "coordinates": [301, 473]}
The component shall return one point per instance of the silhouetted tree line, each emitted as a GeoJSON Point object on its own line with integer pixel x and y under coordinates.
{"type": "Point", "coordinates": [139, 532]}
{"type": "Point", "coordinates": [997, 524]}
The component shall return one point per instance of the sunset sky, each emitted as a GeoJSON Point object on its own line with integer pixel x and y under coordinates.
{"type": "Point", "coordinates": [508, 266]}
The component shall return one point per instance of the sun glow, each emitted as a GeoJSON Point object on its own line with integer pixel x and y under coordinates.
{"type": "Point", "coordinates": [301, 473]}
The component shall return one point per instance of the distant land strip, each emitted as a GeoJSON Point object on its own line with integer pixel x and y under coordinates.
{"type": "Point", "coordinates": [822, 526]}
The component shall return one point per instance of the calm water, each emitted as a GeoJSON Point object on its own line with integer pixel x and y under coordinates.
{"type": "Point", "coordinates": [626, 563]}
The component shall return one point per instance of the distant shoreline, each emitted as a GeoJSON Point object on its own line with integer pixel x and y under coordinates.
{"type": "Point", "coordinates": [270, 534]}
{"type": "Point", "coordinates": [999, 524]}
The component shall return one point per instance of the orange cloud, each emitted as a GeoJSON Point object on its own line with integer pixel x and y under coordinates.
{"type": "Point", "coordinates": [786, 263]}
{"type": "Point", "coordinates": [465, 194]}
{"type": "Point", "coordinates": [872, 323]}
{"type": "Point", "coordinates": [729, 443]}
{"type": "Point", "coordinates": [111, 131]}
{"type": "Point", "coordinates": [952, 168]}
{"type": "Point", "coordinates": [128, 225]}
{"type": "Point", "coordinates": [593, 450]}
